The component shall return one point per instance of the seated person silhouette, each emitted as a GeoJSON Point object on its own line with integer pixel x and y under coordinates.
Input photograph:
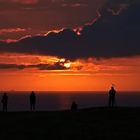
{"type": "Point", "coordinates": [74, 106]}
{"type": "Point", "coordinates": [4, 102]}
{"type": "Point", "coordinates": [32, 101]}
{"type": "Point", "coordinates": [112, 94]}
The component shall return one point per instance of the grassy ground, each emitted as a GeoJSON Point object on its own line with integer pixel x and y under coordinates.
{"type": "Point", "coordinates": [88, 124]}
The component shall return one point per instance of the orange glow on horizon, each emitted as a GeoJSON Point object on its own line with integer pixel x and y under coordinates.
{"type": "Point", "coordinates": [80, 75]}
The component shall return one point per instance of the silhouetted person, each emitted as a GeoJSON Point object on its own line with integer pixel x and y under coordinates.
{"type": "Point", "coordinates": [32, 101]}
{"type": "Point", "coordinates": [74, 106]}
{"type": "Point", "coordinates": [4, 102]}
{"type": "Point", "coordinates": [112, 93]}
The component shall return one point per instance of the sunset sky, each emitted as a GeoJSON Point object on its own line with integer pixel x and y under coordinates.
{"type": "Point", "coordinates": [69, 45]}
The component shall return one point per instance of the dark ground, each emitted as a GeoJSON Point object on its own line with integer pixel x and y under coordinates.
{"type": "Point", "coordinates": [88, 124]}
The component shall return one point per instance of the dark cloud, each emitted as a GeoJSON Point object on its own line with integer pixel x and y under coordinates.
{"type": "Point", "coordinates": [110, 36]}
{"type": "Point", "coordinates": [11, 66]}
{"type": "Point", "coordinates": [56, 66]}
{"type": "Point", "coordinates": [41, 16]}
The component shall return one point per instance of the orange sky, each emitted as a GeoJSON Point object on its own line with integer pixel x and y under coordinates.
{"type": "Point", "coordinates": [87, 75]}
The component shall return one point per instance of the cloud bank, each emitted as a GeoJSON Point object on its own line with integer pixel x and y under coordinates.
{"type": "Point", "coordinates": [115, 34]}
{"type": "Point", "coordinates": [56, 66]}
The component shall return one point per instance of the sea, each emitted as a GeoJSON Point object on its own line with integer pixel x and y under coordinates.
{"type": "Point", "coordinates": [55, 101]}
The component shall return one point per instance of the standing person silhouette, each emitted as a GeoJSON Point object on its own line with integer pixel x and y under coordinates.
{"type": "Point", "coordinates": [4, 102]}
{"type": "Point", "coordinates": [74, 106]}
{"type": "Point", "coordinates": [112, 93]}
{"type": "Point", "coordinates": [32, 101]}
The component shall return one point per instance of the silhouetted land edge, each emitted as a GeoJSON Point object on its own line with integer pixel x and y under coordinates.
{"type": "Point", "coordinates": [86, 124]}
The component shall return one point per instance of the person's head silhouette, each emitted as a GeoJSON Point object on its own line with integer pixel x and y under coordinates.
{"type": "Point", "coordinates": [112, 88]}
{"type": "Point", "coordinates": [5, 94]}
{"type": "Point", "coordinates": [32, 92]}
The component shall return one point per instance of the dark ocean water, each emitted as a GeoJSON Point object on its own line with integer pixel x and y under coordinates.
{"type": "Point", "coordinates": [19, 101]}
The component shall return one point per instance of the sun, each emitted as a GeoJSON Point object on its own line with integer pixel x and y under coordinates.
{"type": "Point", "coordinates": [67, 65]}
